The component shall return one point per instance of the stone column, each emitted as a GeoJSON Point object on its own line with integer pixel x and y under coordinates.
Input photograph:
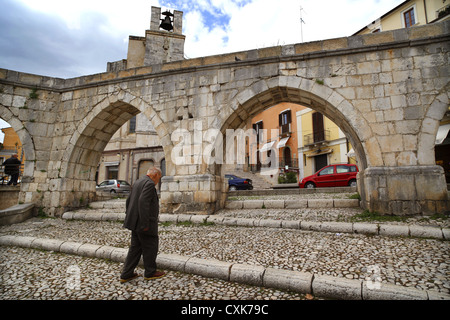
{"type": "Point", "coordinates": [155, 18]}
{"type": "Point", "coordinates": [196, 193]}
{"type": "Point", "coordinates": [405, 190]}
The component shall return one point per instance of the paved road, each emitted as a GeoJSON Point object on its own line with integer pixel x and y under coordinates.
{"type": "Point", "coordinates": [419, 263]}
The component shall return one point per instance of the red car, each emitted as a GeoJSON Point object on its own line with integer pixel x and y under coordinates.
{"type": "Point", "coordinates": [335, 175]}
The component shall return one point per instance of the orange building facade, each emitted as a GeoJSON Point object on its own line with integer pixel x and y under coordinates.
{"type": "Point", "coordinates": [280, 136]}
{"type": "Point", "coordinates": [11, 145]}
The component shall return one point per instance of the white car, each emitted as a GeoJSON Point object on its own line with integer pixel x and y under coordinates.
{"type": "Point", "coordinates": [114, 186]}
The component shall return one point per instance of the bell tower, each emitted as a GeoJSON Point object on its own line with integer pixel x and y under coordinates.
{"type": "Point", "coordinates": [164, 42]}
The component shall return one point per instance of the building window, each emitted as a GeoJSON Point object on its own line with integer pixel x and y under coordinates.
{"type": "Point", "coordinates": [112, 172]}
{"type": "Point", "coordinates": [132, 125]}
{"type": "Point", "coordinates": [409, 18]}
{"type": "Point", "coordinates": [258, 127]}
{"type": "Point", "coordinates": [284, 122]}
{"type": "Point", "coordinates": [318, 127]}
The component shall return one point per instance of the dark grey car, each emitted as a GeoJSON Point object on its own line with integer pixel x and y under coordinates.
{"type": "Point", "coordinates": [114, 186]}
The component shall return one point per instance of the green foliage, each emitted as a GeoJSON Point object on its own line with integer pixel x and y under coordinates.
{"type": "Point", "coordinates": [33, 94]}
{"type": "Point", "coordinates": [289, 177]}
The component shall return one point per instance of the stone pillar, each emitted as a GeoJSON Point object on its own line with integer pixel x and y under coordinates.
{"type": "Point", "coordinates": [155, 18]}
{"type": "Point", "coordinates": [163, 46]}
{"type": "Point", "coordinates": [178, 22]}
{"type": "Point", "coordinates": [197, 193]}
{"type": "Point", "coordinates": [406, 190]}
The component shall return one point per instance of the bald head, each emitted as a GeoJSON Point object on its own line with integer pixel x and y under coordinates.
{"type": "Point", "coordinates": [154, 174]}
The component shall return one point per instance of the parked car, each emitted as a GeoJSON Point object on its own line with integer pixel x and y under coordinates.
{"type": "Point", "coordinates": [114, 186]}
{"type": "Point", "coordinates": [335, 175]}
{"type": "Point", "coordinates": [237, 183]}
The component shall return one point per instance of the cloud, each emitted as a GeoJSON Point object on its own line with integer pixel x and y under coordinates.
{"type": "Point", "coordinates": [73, 38]}
{"type": "Point", "coordinates": [44, 43]}
{"type": "Point", "coordinates": [262, 23]}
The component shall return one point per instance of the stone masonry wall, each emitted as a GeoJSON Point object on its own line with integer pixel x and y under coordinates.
{"type": "Point", "coordinates": [386, 91]}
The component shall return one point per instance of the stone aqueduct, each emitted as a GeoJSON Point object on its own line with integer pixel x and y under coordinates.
{"type": "Point", "coordinates": [387, 91]}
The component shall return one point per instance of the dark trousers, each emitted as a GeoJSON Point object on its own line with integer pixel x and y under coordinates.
{"type": "Point", "coordinates": [141, 244]}
{"type": "Point", "coordinates": [14, 178]}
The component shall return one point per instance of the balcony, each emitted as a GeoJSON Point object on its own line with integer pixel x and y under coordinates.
{"type": "Point", "coordinates": [318, 137]}
{"type": "Point", "coordinates": [282, 163]}
{"type": "Point", "coordinates": [285, 129]}
{"type": "Point", "coordinates": [4, 178]}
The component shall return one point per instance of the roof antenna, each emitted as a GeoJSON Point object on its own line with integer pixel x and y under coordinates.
{"type": "Point", "coordinates": [301, 22]}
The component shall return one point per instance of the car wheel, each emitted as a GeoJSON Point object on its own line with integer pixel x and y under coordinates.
{"type": "Point", "coordinates": [232, 188]}
{"type": "Point", "coordinates": [352, 183]}
{"type": "Point", "coordinates": [309, 185]}
{"type": "Point", "coordinates": [112, 191]}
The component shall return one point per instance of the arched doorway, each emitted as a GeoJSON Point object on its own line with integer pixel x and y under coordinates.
{"type": "Point", "coordinates": [82, 156]}
{"type": "Point", "coordinates": [26, 152]}
{"type": "Point", "coordinates": [144, 165]}
{"type": "Point", "coordinates": [319, 98]}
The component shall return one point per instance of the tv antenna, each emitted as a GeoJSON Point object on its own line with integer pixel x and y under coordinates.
{"type": "Point", "coordinates": [301, 22]}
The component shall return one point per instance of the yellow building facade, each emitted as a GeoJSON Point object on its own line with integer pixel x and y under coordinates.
{"type": "Point", "coordinates": [408, 14]}
{"type": "Point", "coordinates": [304, 141]}
{"type": "Point", "coordinates": [11, 145]}
{"type": "Point", "coordinates": [321, 143]}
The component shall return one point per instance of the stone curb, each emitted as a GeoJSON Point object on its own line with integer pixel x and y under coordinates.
{"type": "Point", "coordinates": [325, 226]}
{"type": "Point", "coordinates": [302, 282]}
{"type": "Point", "coordinates": [292, 204]}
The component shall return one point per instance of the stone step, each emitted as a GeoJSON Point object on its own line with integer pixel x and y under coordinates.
{"type": "Point", "coordinates": [114, 205]}
{"type": "Point", "coordinates": [303, 282]}
{"type": "Point", "coordinates": [324, 226]}
{"type": "Point", "coordinates": [292, 204]}
{"type": "Point", "coordinates": [119, 206]}
{"type": "Point", "coordinates": [258, 182]}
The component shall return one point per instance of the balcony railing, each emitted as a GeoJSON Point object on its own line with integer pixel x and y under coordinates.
{"type": "Point", "coordinates": [285, 129]}
{"type": "Point", "coordinates": [4, 178]}
{"type": "Point", "coordinates": [316, 137]}
{"type": "Point", "coordinates": [282, 163]}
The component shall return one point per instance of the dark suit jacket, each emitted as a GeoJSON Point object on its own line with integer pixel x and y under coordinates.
{"type": "Point", "coordinates": [12, 165]}
{"type": "Point", "coordinates": [142, 207]}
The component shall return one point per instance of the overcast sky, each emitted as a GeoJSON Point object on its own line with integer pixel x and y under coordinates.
{"type": "Point", "coordinates": [70, 38]}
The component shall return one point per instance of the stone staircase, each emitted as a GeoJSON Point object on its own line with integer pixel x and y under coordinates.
{"type": "Point", "coordinates": [259, 183]}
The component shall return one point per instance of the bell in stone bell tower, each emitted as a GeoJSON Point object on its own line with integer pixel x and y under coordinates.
{"type": "Point", "coordinates": [164, 41]}
{"type": "Point", "coordinates": [166, 23]}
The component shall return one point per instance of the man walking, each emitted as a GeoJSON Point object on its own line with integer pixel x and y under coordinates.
{"type": "Point", "coordinates": [142, 210]}
{"type": "Point", "coordinates": [12, 168]}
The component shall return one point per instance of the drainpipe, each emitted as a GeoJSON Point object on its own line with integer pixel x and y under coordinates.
{"type": "Point", "coordinates": [425, 7]}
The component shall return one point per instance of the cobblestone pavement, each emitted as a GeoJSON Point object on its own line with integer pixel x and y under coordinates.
{"type": "Point", "coordinates": [32, 274]}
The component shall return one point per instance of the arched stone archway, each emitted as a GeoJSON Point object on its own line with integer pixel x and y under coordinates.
{"type": "Point", "coordinates": [267, 93]}
{"type": "Point", "coordinates": [386, 92]}
{"type": "Point", "coordinates": [29, 150]}
{"type": "Point", "coordinates": [76, 183]}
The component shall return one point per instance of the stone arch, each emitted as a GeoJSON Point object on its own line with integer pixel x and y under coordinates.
{"type": "Point", "coordinates": [93, 133]}
{"type": "Point", "coordinates": [28, 147]}
{"type": "Point", "coordinates": [267, 93]}
{"type": "Point", "coordinates": [429, 127]}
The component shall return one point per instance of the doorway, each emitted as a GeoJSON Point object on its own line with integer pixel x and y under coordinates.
{"type": "Point", "coordinates": [320, 162]}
